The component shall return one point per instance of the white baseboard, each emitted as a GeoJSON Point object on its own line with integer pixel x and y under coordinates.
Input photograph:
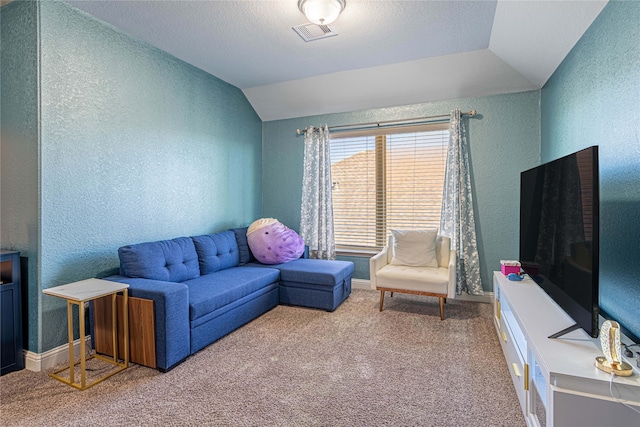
{"type": "Point", "coordinates": [487, 298]}
{"type": "Point", "coordinates": [360, 284]}
{"type": "Point", "coordinates": [38, 362]}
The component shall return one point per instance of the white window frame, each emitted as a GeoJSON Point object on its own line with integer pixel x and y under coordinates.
{"type": "Point", "coordinates": [381, 179]}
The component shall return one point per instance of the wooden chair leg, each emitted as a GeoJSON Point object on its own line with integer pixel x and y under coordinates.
{"type": "Point", "coordinates": [441, 308]}
{"type": "Point", "coordinates": [381, 299]}
{"type": "Point", "coordinates": [391, 294]}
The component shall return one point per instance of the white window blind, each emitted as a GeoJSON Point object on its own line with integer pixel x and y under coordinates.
{"type": "Point", "coordinates": [383, 180]}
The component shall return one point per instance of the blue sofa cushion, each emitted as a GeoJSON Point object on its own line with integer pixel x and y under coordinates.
{"type": "Point", "coordinates": [210, 292]}
{"type": "Point", "coordinates": [243, 245]}
{"type": "Point", "coordinates": [168, 260]}
{"type": "Point", "coordinates": [217, 251]}
{"type": "Point", "coordinates": [315, 271]}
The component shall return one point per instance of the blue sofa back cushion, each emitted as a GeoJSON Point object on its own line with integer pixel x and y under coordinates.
{"type": "Point", "coordinates": [217, 251]}
{"type": "Point", "coordinates": [246, 255]}
{"type": "Point", "coordinates": [173, 260]}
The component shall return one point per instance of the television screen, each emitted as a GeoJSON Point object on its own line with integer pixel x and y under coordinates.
{"type": "Point", "coordinates": [559, 231]}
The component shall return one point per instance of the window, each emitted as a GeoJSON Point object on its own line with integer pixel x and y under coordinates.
{"type": "Point", "coordinates": [383, 180]}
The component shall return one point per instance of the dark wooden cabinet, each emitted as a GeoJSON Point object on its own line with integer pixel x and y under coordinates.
{"type": "Point", "coordinates": [10, 312]}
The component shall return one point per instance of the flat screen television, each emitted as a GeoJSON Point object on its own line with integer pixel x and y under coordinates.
{"type": "Point", "coordinates": [559, 234]}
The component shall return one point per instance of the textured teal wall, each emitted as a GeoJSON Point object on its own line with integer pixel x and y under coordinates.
{"type": "Point", "coordinates": [594, 99]}
{"type": "Point", "coordinates": [135, 146]}
{"type": "Point", "coordinates": [19, 146]}
{"type": "Point", "coordinates": [504, 140]}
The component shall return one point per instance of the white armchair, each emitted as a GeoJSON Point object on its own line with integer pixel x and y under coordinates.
{"type": "Point", "coordinates": [436, 281]}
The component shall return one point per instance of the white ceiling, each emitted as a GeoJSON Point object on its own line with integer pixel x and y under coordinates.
{"type": "Point", "coordinates": [386, 53]}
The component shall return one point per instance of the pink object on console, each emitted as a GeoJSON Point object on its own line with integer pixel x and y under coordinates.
{"type": "Point", "coordinates": [508, 266]}
{"type": "Point", "coordinates": [507, 269]}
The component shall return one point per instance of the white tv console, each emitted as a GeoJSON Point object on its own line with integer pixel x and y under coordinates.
{"type": "Point", "coordinates": [556, 380]}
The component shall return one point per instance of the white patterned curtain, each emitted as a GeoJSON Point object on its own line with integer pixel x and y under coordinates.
{"type": "Point", "coordinates": [457, 220]}
{"type": "Point", "coordinates": [316, 212]}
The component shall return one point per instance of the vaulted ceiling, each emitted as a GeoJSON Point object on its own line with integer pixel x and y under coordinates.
{"type": "Point", "coordinates": [386, 53]}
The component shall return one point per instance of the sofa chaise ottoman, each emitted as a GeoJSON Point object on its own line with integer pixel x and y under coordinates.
{"type": "Point", "coordinates": [315, 283]}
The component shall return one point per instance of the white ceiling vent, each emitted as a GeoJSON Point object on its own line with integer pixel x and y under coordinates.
{"type": "Point", "coordinates": [310, 32]}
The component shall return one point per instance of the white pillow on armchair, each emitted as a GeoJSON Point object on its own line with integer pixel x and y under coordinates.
{"type": "Point", "coordinates": [415, 248]}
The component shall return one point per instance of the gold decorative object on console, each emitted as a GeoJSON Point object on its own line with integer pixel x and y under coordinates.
{"type": "Point", "coordinates": [610, 342]}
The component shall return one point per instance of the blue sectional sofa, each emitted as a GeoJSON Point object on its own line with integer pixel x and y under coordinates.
{"type": "Point", "coordinates": [204, 287]}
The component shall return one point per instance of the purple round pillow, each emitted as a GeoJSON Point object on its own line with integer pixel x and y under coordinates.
{"type": "Point", "coordinates": [272, 242]}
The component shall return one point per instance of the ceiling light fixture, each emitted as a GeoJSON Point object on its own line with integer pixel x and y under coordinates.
{"type": "Point", "coordinates": [321, 12]}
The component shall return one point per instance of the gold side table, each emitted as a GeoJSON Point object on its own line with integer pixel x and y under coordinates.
{"type": "Point", "coordinates": [78, 293]}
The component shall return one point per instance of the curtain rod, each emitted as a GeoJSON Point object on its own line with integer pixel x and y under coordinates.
{"type": "Point", "coordinates": [471, 113]}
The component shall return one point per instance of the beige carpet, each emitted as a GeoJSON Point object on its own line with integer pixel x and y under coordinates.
{"type": "Point", "coordinates": [302, 367]}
